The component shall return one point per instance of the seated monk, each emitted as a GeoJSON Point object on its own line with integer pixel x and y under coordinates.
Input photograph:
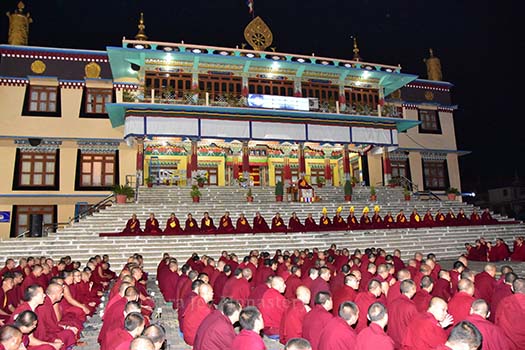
{"type": "Point", "coordinates": [450, 218]}
{"type": "Point", "coordinates": [415, 219]}
{"type": "Point", "coordinates": [225, 224]}
{"type": "Point", "coordinates": [440, 218]}
{"type": "Point", "coordinates": [462, 219]}
{"type": "Point", "coordinates": [401, 220]}
{"type": "Point", "coordinates": [294, 224]}
{"type": "Point", "coordinates": [339, 223]}
{"type": "Point", "coordinates": [472, 252]}
{"type": "Point", "coordinates": [475, 219]}
{"type": "Point", "coordinates": [152, 225]}
{"type": "Point", "coordinates": [389, 221]}
{"type": "Point", "coordinates": [486, 218]}
{"type": "Point", "coordinates": [278, 223]}
{"type": "Point", "coordinates": [377, 221]}
{"type": "Point", "coordinates": [365, 221]}
{"type": "Point", "coordinates": [500, 251]}
{"type": "Point", "coordinates": [172, 225]}
{"type": "Point", "coordinates": [310, 224]}
{"type": "Point", "coordinates": [324, 221]}
{"type": "Point", "coordinates": [191, 225]}
{"type": "Point", "coordinates": [303, 185]}
{"type": "Point", "coordinates": [428, 220]}
{"type": "Point", "coordinates": [242, 225]}
{"type": "Point", "coordinates": [133, 225]}
{"type": "Point", "coordinates": [207, 225]}
{"type": "Point", "coordinates": [351, 220]}
{"type": "Point", "coordinates": [259, 224]}
{"type": "Point", "coordinates": [519, 250]}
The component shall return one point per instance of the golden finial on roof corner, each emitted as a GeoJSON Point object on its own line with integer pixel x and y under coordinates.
{"type": "Point", "coordinates": [141, 35]}
{"type": "Point", "coordinates": [433, 67]}
{"type": "Point", "coordinates": [19, 25]}
{"type": "Point", "coordinates": [357, 57]}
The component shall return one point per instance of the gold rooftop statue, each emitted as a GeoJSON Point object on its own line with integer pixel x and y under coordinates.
{"type": "Point", "coordinates": [19, 26]}
{"type": "Point", "coordinates": [141, 35]}
{"type": "Point", "coordinates": [433, 67]}
{"type": "Point", "coordinates": [357, 57]}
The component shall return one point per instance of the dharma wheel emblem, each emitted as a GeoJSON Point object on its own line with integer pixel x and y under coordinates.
{"type": "Point", "coordinates": [258, 34]}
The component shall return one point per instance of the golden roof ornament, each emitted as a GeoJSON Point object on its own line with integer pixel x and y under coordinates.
{"type": "Point", "coordinates": [357, 57]}
{"type": "Point", "coordinates": [19, 25]}
{"type": "Point", "coordinates": [258, 34]}
{"type": "Point", "coordinates": [141, 35]}
{"type": "Point", "coordinates": [433, 67]}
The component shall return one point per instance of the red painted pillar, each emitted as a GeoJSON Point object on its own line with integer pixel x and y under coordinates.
{"type": "Point", "coordinates": [387, 166]}
{"type": "Point", "coordinates": [346, 162]}
{"type": "Point", "coordinates": [302, 162]}
{"type": "Point", "coordinates": [245, 160]}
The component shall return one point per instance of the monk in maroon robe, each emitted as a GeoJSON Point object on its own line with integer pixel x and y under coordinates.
{"type": "Point", "coordinates": [216, 330]}
{"type": "Point", "coordinates": [294, 224]}
{"type": "Point", "coordinates": [365, 222]}
{"type": "Point", "coordinates": [225, 224]}
{"type": "Point", "coordinates": [388, 221]}
{"type": "Point", "coordinates": [242, 225]}
{"type": "Point", "coordinates": [401, 220]}
{"type": "Point", "coordinates": [338, 333]}
{"type": "Point", "coordinates": [440, 218]}
{"type": "Point", "coordinates": [493, 336]}
{"type": "Point", "coordinates": [259, 224]}
{"type": "Point", "coordinates": [347, 292]}
{"type": "Point", "coordinates": [366, 298]}
{"type": "Point", "coordinates": [462, 219]}
{"type": "Point", "coordinates": [428, 219]}
{"type": "Point", "coordinates": [401, 312]}
{"type": "Point", "coordinates": [374, 337]}
{"type": "Point", "coordinates": [278, 223]}
{"type": "Point", "coordinates": [207, 225]}
{"type": "Point", "coordinates": [173, 225]}
{"type": "Point", "coordinates": [152, 225]}
{"type": "Point", "coordinates": [133, 225]}
{"type": "Point", "coordinates": [426, 331]}
{"type": "Point", "coordinates": [338, 222]}
{"type": "Point", "coordinates": [352, 221]}
{"type": "Point", "coordinates": [450, 218]}
{"type": "Point", "coordinates": [486, 218]}
{"type": "Point", "coordinates": [459, 305]}
{"type": "Point", "coordinates": [272, 306]}
{"type": "Point", "coordinates": [475, 219]}
{"type": "Point", "coordinates": [191, 225]}
{"type": "Point", "coordinates": [252, 323]}
{"type": "Point", "coordinates": [48, 328]}
{"type": "Point", "coordinates": [316, 320]}
{"type": "Point", "coordinates": [486, 283]}
{"type": "Point", "coordinates": [292, 319]}
{"type": "Point", "coordinates": [309, 224]}
{"type": "Point", "coordinates": [197, 310]}
{"type": "Point", "coordinates": [511, 313]}
{"type": "Point", "coordinates": [415, 219]}
{"type": "Point", "coordinates": [519, 250]}
{"type": "Point", "coordinates": [443, 287]}
{"type": "Point", "coordinates": [500, 251]}
{"type": "Point", "coordinates": [238, 287]}
{"type": "Point", "coordinates": [377, 221]}
{"type": "Point", "coordinates": [324, 222]}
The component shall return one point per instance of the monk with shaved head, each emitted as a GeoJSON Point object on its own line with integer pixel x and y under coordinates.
{"type": "Point", "coordinates": [273, 304]}
{"type": "Point", "coordinates": [292, 320]}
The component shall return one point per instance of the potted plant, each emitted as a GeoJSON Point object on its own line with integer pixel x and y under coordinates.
{"type": "Point", "coordinates": [373, 194]}
{"type": "Point", "coordinates": [200, 178]}
{"type": "Point", "coordinates": [149, 182]}
{"type": "Point", "coordinates": [195, 194]}
{"type": "Point", "coordinates": [393, 182]}
{"type": "Point", "coordinates": [407, 193]}
{"type": "Point", "coordinates": [249, 195]}
{"type": "Point", "coordinates": [354, 181]}
{"type": "Point", "coordinates": [279, 191]}
{"type": "Point", "coordinates": [348, 190]}
{"type": "Point", "coordinates": [452, 192]}
{"type": "Point", "coordinates": [321, 181]}
{"type": "Point", "coordinates": [122, 193]}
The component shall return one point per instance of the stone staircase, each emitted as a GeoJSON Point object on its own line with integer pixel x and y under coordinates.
{"type": "Point", "coordinates": [81, 240]}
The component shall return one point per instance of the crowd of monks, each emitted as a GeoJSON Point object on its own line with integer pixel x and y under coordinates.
{"type": "Point", "coordinates": [483, 250]}
{"type": "Point", "coordinates": [325, 223]}
{"type": "Point", "coordinates": [337, 300]}
{"type": "Point", "coordinates": [306, 299]}
{"type": "Point", "coordinates": [46, 303]}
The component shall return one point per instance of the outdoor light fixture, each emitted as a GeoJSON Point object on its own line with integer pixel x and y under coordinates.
{"type": "Point", "coordinates": [139, 46]}
{"type": "Point", "coordinates": [196, 51]}
{"type": "Point", "coordinates": [168, 49]}
{"type": "Point", "coordinates": [251, 55]}
{"type": "Point", "coordinates": [301, 60]}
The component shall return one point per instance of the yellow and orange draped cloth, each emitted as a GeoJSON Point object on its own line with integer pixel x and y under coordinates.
{"type": "Point", "coordinates": [325, 223]}
{"type": "Point", "coordinates": [278, 225]}
{"type": "Point", "coordinates": [243, 226]}
{"type": "Point", "coordinates": [415, 220]}
{"type": "Point", "coordinates": [226, 225]}
{"type": "Point", "coordinates": [352, 222]}
{"type": "Point", "coordinates": [191, 226]}
{"type": "Point", "coordinates": [401, 220]}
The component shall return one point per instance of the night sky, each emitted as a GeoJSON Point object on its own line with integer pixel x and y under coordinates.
{"type": "Point", "coordinates": [473, 40]}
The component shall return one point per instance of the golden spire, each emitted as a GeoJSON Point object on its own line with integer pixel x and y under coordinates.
{"type": "Point", "coordinates": [356, 50]}
{"type": "Point", "coordinates": [19, 25]}
{"type": "Point", "coordinates": [433, 67]}
{"type": "Point", "coordinates": [141, 35]}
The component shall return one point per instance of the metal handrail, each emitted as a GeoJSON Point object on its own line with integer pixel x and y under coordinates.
{"type": "Point", "coordinates": [91, 209]}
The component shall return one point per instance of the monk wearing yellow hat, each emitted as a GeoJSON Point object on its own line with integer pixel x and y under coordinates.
{"type": "Point", "coordinates": [365, 221]}
{"type": "Point", "coordinates": [324, 222]}
{"type": "Point", "coordinates": [339, 222]}
{"type": "Point", "coordinates": [377, 221]}
{"type": "Point", "coordinates": [351, 220]}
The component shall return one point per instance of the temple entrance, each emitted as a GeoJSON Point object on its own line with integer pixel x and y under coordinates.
{"type": "Point", "coordinates": [316, 174]}
{"type": "Point", "coordinates": [255, 174]}
{"type": "Point", "coordinates": [212, 175]}
{"type": "Point", "coordinates": [279, 174]}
